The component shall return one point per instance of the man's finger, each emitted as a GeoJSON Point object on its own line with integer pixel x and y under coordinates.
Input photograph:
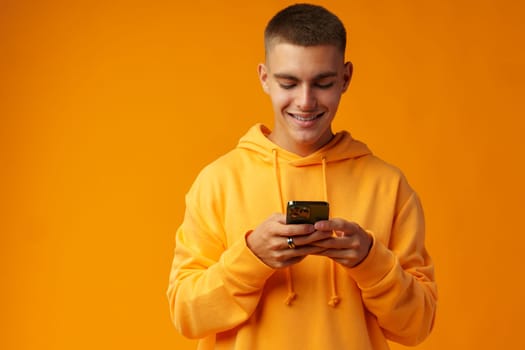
{"type": "Point", "coordinates": [335, 224]}
{"type": "Point", "coordinates": [296, 230]}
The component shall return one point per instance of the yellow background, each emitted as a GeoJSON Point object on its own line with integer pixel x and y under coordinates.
{"type": "Point", "coordinates": [108, 110]}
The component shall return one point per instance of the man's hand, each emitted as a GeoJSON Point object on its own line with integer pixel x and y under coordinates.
{"type": "Point", "coordinates": [350, 245]}
{"type": "Point", "coordinates": [269, 241]}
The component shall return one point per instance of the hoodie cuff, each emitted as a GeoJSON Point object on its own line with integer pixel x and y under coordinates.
{"type": "Point", "coordinates": [244, 266]}
{"type": "Point", "coordinates": [379, 262]}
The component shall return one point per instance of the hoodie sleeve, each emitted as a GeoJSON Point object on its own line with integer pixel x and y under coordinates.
{"type": "Point", "coordinates": [213, 286]}
{"type": "Point", "coordinates": [397, 281]}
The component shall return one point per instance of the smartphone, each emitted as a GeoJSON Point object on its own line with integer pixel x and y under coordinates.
{"type": "Point", "coordinates": [306, 212]}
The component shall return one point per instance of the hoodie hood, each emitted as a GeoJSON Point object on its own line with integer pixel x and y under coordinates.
{"type": "Point", "coordinates": [341, 147]}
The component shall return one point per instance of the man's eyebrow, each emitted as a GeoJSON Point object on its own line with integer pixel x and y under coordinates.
{"type": "Point", "coordinates": [325, 75]}
{"type": "Point", "coordinates": [317, 77]}
{"type": "Point", "coordinates": [284, 76]}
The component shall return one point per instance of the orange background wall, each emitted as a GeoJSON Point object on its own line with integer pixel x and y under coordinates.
{"type": "Point", "coordinates": [108, 109]}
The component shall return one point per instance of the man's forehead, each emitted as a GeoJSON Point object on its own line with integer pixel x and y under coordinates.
{"type": "Point", "coordinates": [319, 76]}
{"type": "Point", "coordinates": [304, 62]}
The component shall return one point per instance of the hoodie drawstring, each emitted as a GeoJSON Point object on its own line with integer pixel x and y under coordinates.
{"type": "Point", "coordinates": [325, 186]}
{"type": "Point", "coordinates": [291, 292]}
{"type": "Point", "coordinates": [278, 178]}
{"type": "Point", "coordinates": [334, 299]}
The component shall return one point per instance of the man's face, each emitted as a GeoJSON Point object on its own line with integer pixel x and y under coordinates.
{"type": "Point", "coordinates": [305, 85]}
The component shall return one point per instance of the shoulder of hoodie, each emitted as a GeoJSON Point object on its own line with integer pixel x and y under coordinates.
{"type": "Point", "coordinates": [376, 167]}
{"type": "Point", "coordinates": [379, 165]}
{"type": "Point", "coordinates": [222, 166]}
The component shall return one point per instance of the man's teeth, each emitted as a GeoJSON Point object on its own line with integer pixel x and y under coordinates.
{"type": "Point", "coordinates": [305, 119]}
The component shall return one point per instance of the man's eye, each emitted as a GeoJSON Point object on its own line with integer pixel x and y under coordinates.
{"type": "Point", "coordinates": [286, 86]}
{"type": "Point", "coordinates": [325, 86]}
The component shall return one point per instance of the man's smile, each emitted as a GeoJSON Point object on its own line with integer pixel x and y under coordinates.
{"type": "Point", "coordinates": [306, 117]}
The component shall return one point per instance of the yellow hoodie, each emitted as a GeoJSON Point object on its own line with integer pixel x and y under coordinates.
{"type": "Point", "coordinates": [222, 294]}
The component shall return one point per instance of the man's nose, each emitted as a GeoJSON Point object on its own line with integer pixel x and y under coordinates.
{"type": "Point", "coordinates": [306, 100]}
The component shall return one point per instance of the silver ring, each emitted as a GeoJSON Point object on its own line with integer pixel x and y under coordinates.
{"type": "Point", "coordinates": [290, 243]}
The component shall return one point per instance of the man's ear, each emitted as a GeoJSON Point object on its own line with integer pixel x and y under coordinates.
{"type": "Point", "coordinates": [263, 77]}
{"type": "Point", "coordinates": [347, 75]}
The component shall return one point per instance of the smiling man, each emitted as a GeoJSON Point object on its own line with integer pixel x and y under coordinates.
{"type": "Point", "coordinates": [242, 278]}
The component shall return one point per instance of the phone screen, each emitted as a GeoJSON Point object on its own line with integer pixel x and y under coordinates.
{"type": "Point", "coordinates": [306, 212]}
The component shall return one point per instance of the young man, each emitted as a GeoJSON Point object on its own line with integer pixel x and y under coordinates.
{"type": "Point", "coordinates": [244, 279]}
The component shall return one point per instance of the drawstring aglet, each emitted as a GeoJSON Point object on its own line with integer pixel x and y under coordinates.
{"type": "Point", "coordinates": [334, 301]}
{"type": "Point", "coordinates": [290, 298]}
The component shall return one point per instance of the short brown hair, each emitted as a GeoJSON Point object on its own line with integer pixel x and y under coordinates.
{"type": "Point", "coordinates": [305, 25]}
